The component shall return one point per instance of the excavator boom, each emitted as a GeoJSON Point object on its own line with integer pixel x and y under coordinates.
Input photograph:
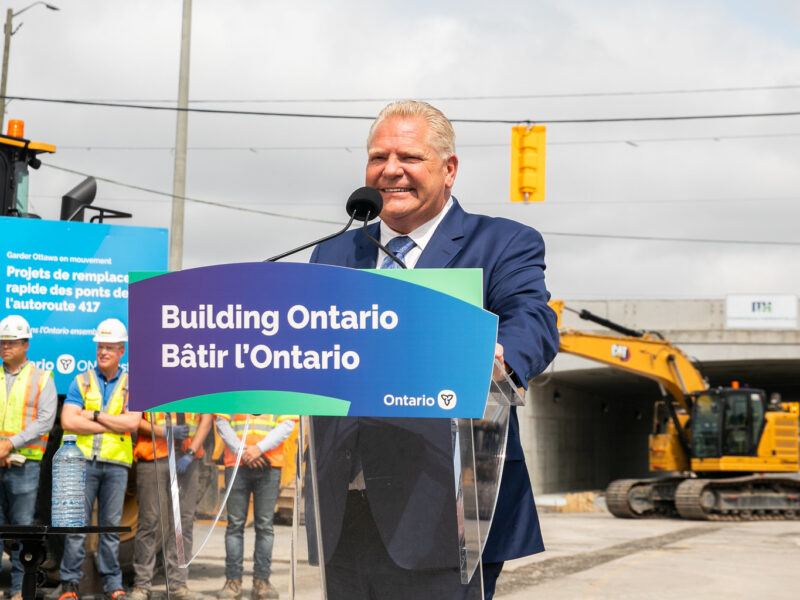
{"type": "Point", "coordinates": [635, 352]}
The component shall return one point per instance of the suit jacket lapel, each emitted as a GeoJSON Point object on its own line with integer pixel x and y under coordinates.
{"type": "Point", "coordinates": [447, 240]}
{"type": "Point", "coordinates": [366, 254]}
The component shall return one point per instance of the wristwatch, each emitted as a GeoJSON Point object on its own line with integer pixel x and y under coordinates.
{"type": "Point", "coordinates": [94, 417]}
{"type": "Point", "coordinates": [190, 452]}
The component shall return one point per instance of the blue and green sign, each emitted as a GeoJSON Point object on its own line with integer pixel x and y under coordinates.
{"type": "Point", "coordinates": [291, 338]}
{"type": "Point", "coordinates": [64, 278]}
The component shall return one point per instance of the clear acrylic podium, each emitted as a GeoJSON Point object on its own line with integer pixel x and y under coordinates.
{"type": "Point", "coordinates": [399, 504]}
{"type": "Point", "coordinates": [424, 489]}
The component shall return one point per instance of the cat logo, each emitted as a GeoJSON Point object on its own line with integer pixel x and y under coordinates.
{"type": "Point", "coordinates": [621, 352]}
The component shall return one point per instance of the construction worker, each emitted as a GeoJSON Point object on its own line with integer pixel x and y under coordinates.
{"type": "Point", "coordinates": [28, 402]}
{"type": "Point", "coordinates": [151, 452]}
{"type": "Point", "coordinates": [259, 475]}
{"type": "Point", "coordinates": [96, 410]}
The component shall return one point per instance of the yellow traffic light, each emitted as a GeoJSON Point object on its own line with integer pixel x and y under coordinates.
{"type": "Point", "coordinates": [527, 163]}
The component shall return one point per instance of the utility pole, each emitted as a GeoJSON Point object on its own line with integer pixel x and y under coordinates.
{"type": "Point", "coordinates": [8, 31]}
{"type": "Point", "coordinates": [179, 176]}
{"type": "Point", "coordinates": [6, 49]}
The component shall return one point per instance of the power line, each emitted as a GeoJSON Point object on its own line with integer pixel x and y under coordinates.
{"type": "Point", "coordinates": [526, 120]}
{"type": "Point", "coordinates": [328, 222]}
{"type": "Point", "coordinates": [646, 203]}
{"type": "Point", "coordinates": [551, 203]}
{"type": "Point", "coordinates": [648, 238]}
{"type": "Point", "coordinates": [481, 97]}
{"type": "Point", "coordinates": [188, 199]}
{"type": "Point", "coordinates": [704, 138]}
{"type": "Point", "coordinates": [349, 147]}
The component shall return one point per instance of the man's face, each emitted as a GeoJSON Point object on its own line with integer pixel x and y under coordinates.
{"type": "Point", "coordinates": [109, 355]}
{"type": "Point", "coordinates": [14, 352]}
{"type": "Point", "coordinates": [413, 179]}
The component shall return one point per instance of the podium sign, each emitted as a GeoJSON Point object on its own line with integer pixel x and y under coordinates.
{"type": "Point", "coordinates": [289, 338]}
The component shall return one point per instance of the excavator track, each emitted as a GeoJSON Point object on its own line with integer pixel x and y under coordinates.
{"type": "Point", "coordinates": [749, 498]}
{"type": "Point", "coordinates": [617, 498]}
{"type": "Point", "coordinates": [642, 498]}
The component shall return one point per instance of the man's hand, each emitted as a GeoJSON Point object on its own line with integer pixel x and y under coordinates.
{"type": "Point", "coordinates": [5, 448]}
{"type": "Point", "coordinates": [180, 432]}
{"type": "Point", "coordinates": [183, 463]}
{"type": "Point", "coordinates": [497, 374]}
{"type": "Point", "coordinates": [252, 458]}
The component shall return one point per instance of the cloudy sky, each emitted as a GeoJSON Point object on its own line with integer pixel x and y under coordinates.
{"type": "Point", "coordinates": [614, 190]}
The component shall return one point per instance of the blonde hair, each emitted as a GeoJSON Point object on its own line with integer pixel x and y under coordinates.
{"type": "Point", "coordinates": [440, 131]}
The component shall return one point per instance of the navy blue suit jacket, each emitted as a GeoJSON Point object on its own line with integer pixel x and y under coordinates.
{"type": "Point", "coordinates": [512, 258]}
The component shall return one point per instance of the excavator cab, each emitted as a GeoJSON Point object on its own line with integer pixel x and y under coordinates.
{"type": "Point", "coordinates": [16, 155]}
{"type": "Point", "coordinates": [727, 422]}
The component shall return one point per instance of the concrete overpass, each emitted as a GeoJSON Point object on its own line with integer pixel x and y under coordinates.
{"type": "Point", "coordinates": [586, 424]}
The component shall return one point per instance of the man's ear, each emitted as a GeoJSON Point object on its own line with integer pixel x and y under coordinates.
{"type": "Point", "coordinates": [451, 167]}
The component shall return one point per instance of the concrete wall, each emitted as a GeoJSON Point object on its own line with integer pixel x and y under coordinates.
{"type": "Point", "coordinates": [581, 439]}
{"type": "Point", "coordinates": [596, 430]}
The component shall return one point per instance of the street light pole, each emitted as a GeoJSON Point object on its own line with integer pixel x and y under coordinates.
{"type": "Point", "coordinates": [7, 48]}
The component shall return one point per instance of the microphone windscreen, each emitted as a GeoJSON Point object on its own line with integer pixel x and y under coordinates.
{"type": "Point", "coordinates": [365, 204]}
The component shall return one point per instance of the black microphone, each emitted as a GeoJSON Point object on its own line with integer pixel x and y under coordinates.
{"type": "Point", "coordinates": [364, 204]}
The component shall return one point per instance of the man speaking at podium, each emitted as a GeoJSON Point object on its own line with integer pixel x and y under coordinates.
{"type": "Point", "coordinates": [387, 507]}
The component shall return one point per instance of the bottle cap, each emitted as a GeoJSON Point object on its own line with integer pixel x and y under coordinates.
{"type": "Point", "coordinates": [69, 438]}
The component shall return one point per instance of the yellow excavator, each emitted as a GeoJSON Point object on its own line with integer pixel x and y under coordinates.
{"type": "Point", "coordinates": [723, 453]}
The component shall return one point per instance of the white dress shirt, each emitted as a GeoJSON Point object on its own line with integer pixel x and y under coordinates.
{"type": "Point", "coordinates": [421, 235]}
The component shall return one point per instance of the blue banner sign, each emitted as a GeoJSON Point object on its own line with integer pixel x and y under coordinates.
{"type": "Point", "coordinates": [289, 338]}
{"type": "Point", "coordinates": [64, 278]}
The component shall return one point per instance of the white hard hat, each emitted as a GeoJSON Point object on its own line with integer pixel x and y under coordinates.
{"type": "Point", "coordinates": [14, 327]}
{"type": "Point", "coordinates": [111, 330]}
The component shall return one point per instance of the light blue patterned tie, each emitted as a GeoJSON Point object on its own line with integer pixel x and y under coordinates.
{"type": "Point", "coordinates": [400, 246]}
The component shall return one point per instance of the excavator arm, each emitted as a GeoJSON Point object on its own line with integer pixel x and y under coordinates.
{"type": "Point", "coordinates": [635, 352]}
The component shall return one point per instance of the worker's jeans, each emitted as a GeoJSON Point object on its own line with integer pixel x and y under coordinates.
{"type": "Point", "coordinates": [106, 482]}
{"type": "Point", "coordinates": [18, 490]}
{"type": "Point", "coordinates": [264, 486]}
{"type": "Point", "coordinates": [155, 516]}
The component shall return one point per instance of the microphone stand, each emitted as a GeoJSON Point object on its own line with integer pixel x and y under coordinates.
{"type": "Point", "coordinates": [364, 204]}
{"type": "Point", "coordinates": [314, 243]}
{"type": "Point", "coordinates": [388, 252]}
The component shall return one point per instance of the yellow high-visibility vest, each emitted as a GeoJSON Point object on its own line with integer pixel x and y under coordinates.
{"type": "Point", "coordinates": [109, 446]}
{"type": "Point", "coordinates": [19, 408]}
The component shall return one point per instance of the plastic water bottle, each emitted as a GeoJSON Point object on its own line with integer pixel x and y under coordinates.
{"type": "Point", "coordinates": [69, 485]}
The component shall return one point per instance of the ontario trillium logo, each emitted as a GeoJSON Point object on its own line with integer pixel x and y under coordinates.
{"type": "Point", "coordinates": [447, 399]}
{"type": "Point", "coordinates": [65, 364]}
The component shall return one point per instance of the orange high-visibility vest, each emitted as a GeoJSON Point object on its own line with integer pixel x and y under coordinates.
{"type": "Point", "coordinates": [144, 443]}
{"type": "Point", "coordinates": [260, 425]}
